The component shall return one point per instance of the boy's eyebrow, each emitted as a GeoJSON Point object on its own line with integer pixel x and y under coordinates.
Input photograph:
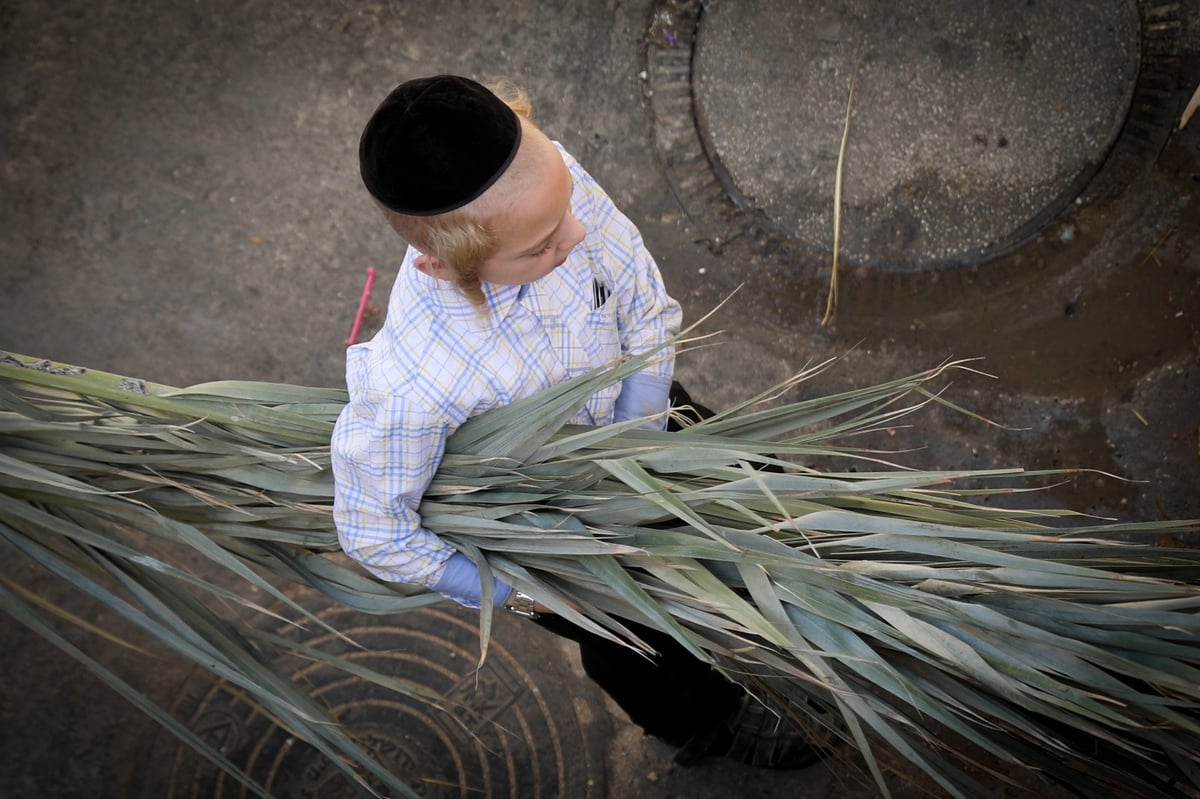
{"type": "Point", "coordinates": [542, 244]}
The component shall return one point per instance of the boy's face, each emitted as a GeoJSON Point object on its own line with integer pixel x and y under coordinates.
{"type": "Point", "coordinates": [537, 231]}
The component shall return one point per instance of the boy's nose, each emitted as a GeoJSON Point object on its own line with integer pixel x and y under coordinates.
{"type": "Point", "coordinates": [574, 233]}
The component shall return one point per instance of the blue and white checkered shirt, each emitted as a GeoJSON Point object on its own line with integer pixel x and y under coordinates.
{"type": "Point", "coordinates": [439, 361]}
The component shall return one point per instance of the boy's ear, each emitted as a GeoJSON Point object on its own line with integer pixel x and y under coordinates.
{"type": "Point", "coordinates": [434, 267]}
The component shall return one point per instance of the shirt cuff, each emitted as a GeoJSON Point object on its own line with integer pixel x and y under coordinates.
{"type": "Point", "coordinates": [644, 395]}
{"type": "Point", "coordinates": [460, 582]}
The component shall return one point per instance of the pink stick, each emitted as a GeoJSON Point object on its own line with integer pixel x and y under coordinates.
{"type": "Point", "coordinates": [362, 305]}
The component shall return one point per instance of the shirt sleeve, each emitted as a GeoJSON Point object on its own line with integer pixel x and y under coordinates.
{"type": "Point", "coordinates": [644, 395]}
{"type": "Point", "coordinates": [461, 579]}
{"type": "Point", "coordinates": [385, 450]}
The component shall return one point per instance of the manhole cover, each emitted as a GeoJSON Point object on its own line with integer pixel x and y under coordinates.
{"type": "Point", "coordinates": [973, 125]}
{"type": "Point", "coordinates": [521, 729]}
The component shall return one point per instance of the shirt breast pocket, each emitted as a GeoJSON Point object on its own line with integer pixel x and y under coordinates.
{"type": "Point", "coordinates": [604, 350]}
{"type": "Point", "coordinates": [604, 336]}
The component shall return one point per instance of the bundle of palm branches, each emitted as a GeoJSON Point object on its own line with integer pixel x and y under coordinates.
{"type": "Point", "coordinates": [901, 611]}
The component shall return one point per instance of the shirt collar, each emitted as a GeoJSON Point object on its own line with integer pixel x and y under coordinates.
{"type": "Point", "coordinates": [445, 296]}
{"type": "Point", "coordinates": [501, 300]}
{"type": "Point", "coordinates": [451, 304]}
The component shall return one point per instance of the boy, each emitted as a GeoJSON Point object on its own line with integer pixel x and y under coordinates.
{"type": "Point", "coordinates": [520, 273]}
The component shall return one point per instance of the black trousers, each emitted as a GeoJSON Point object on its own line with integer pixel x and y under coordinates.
{"type": "Point", "coordinates": [672, 695]}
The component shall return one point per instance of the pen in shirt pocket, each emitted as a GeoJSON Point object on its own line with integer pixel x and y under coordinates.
{"type": "Point", "coordinates": [599, 294]}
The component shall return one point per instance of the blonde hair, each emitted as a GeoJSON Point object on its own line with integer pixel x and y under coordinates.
{"type": "Point", "coordinates": [465, 237]}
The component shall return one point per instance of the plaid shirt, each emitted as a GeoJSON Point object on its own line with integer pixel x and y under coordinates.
{"type": "Point", "coordinates": [439, 361]}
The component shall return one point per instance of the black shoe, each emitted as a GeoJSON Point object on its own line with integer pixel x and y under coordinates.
{"type": "Point", "coordinates": [755, 735]}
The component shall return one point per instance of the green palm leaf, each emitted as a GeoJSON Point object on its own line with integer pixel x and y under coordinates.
{"type": "Point", "coordinates": [894, 608]}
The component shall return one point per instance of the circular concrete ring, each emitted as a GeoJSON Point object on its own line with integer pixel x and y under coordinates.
{"type": "Point", "coordinates": [948, 162]}
{"type": "Point", "coordinates": [968, 125]}
{"type": "Point", "coordinates": [509, 729]}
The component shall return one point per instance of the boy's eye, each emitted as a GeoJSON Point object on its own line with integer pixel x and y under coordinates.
{"type": "Point", "coordinates": [547, 248]}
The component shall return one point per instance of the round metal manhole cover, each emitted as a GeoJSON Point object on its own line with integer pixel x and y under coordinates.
{"type": "Point", "coordinates": [972, 126]}
{"type": "Point", "coordinates": [517, 728]}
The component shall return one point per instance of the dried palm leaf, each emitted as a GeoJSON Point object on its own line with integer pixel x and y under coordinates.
{"type": "Point", "coordinates": [896, 608]}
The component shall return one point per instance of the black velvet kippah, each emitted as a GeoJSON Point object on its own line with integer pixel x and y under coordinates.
{"type": "Point", "coordinates": [435, 144]}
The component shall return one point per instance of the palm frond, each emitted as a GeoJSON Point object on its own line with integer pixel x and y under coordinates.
{"type": "Point", "coordinates": [897, 608]}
